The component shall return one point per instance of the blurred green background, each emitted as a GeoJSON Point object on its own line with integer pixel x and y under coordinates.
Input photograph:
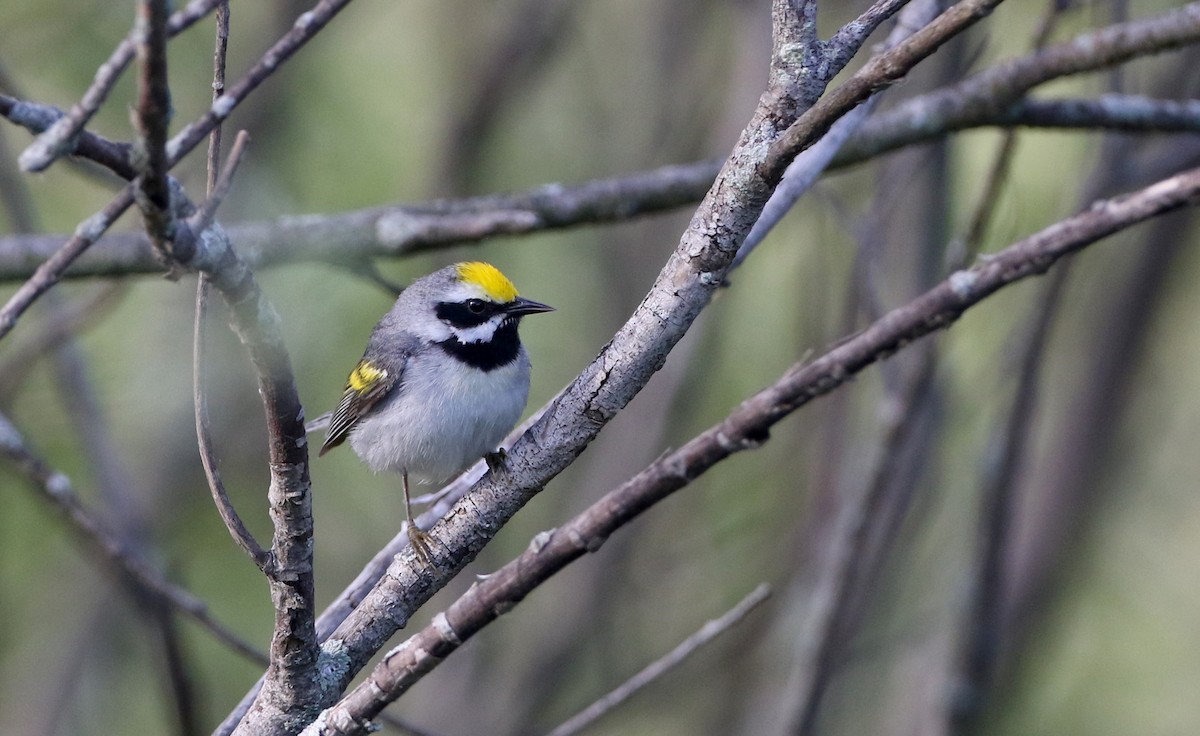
{"type": "Point", "coordinates": [388, 105]}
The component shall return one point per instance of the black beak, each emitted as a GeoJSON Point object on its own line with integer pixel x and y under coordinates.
{"type": "Point", "coordinates": [521, 306]}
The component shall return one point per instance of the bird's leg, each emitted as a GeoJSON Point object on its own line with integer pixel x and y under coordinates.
{"type": "Point", "coordinates": [417, 538]}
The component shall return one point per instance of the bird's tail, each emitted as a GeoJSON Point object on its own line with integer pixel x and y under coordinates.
{"type": "Point", "coordinates": [319, 424]}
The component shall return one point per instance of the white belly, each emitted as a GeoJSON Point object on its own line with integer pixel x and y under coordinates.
{"type": "Point", "coordinates": [442, 420]}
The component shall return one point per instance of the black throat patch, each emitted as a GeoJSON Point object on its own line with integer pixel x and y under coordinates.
{"type": "Point", "coordinates": [501, 350]}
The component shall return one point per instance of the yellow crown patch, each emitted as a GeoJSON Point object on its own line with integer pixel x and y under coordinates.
{"type": "Point", "coordinates": [487, 277]}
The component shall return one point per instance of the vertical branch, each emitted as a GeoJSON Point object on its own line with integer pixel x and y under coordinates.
{"type": "Point", "coordinates": [220, 50]}
{"type": "Point", "coordinates": [291, 690]}
{"type": "Point", "coordinates": [982, 632]}
{"type": "Point", "coordinates": [1002, 574]}
{"type": "Point", "coordinates": [151, 119]}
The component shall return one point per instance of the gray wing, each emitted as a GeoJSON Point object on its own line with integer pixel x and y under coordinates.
{"type": "Point", "coordinates": [368, 383]}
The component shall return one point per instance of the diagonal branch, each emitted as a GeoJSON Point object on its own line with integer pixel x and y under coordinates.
{"type": "Point", "coordinates": [682, 289]}
{"type": "Point", "coordinates": [307, 25]}
{"type": "Point", "coordinates": [203, 217]}
{"type": "Point", "coordinates": [50, 271]}
{"type": "Point", "coordinates": [992, 97]}
{"type": "Point", "coordinates": [849, 38]}
{"type": "Point", "coordinates": [746, 428]}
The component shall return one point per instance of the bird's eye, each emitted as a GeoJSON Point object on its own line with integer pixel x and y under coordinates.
{"type": "Point", "coordinates": [476, 306]}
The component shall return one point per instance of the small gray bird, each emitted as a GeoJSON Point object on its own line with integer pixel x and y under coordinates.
{"type": "Point", "coordinates": [444, 378]}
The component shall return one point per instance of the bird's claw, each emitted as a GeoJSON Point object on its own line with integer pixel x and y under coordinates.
{"type": "Point", "coordinates": [420, 542]}
{"type": "Point", "coordinates": [496, 460]}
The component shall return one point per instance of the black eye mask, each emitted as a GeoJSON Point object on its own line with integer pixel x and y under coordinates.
{"type": "Point", "coordinates": [470, 313]}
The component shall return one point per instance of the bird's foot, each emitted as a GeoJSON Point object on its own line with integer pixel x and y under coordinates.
{"type": "Point", "coordinates": [421, 543]}
{"type": "Point", "coordinates": [496, 460]}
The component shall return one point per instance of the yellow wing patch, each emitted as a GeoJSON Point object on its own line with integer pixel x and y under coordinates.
{"type": "Point", "coordinates": [364, 376]}
{"type": "Point", "coordinates": [487, 277]}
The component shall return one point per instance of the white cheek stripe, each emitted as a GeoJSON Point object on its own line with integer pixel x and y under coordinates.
{"type": "Point", "coordinates": [478, 333]}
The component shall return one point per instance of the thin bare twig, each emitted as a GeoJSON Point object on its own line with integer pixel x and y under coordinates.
{"type": "Point", "coordinates": [220, 53]}
{"type": "Point", "coordinates": [306, 26]}
{"type": "Point", "coordinates": [963, 250]}
{"type": "Point", "coordinates": [672, 659]}
{"type": "Point", "coordinates": [61, 137]}
{"type": "Point", "coordinates": [203, 216]}
{"type": "Point", "coordinates": [217, 186]}
{"type": "Point", "coordinates": [51, 270]}
{"type": "Point", "coordinates": [233, 522]}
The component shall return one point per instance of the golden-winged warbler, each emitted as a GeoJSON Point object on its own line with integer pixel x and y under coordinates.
{"type": "Point", "coordinates": [444, 378]}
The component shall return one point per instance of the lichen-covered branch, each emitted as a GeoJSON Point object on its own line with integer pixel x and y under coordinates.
{"type": "Point", "coordinates": [747, 427]}
{"type": "Point", "coordinates": [683, 288]}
